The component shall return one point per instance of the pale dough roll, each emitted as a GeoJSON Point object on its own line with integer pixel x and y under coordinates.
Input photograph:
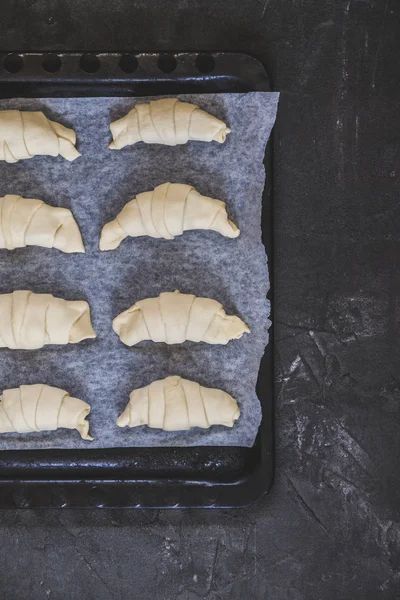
{"type": "Point", "coordinates": [167, 211]}
{"type": "Point", "coordinates": [25, 134]}
{"type": "Point", "coordinates": [30, 321]}
{"type": "Point", "coordinates": [167, 121]}
{"type": "Point", "coordinates": [31, 222]}
{"type": "Point", "coordinates": [176, 404]}
{"type": "Point", "coordinates": [41, 407]}
{"type": "Point", "coordinates": [174, 318]}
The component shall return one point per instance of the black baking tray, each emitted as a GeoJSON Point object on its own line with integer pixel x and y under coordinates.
{"type": "Point", "coordinates": [208, 477]}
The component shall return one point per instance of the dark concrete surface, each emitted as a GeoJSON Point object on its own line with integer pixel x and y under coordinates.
{"type": "Point", "coordinates": [329, 530]}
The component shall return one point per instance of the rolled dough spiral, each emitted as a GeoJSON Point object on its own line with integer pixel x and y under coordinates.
{"type": "Point", "coordinates": [174, 318]}
{"type": "Point", "coordinates": [24, 134]}
{"type": "Point", "coordinates": [29, 321]}
{"type": "Point", "coordinates": [167, 121]}
{"type": "Point", "coordinates": [31, 222]}
{"type": "Point", "coordinates": [175, 404]}
{"type": "Point", "coordinates": [167, 211]}
{"type": "Point", "coordinates": [42, 407]}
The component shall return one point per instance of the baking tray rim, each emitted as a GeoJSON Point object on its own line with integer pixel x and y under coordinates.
{"type": "Point", "coordinates": [19, 492]}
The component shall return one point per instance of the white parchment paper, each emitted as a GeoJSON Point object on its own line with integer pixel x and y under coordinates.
{"type": "Point", "coordinates": [95, 187]}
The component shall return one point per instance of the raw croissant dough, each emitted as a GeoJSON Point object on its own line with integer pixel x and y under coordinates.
{"type": "Point", "coordinates": [168, 121]}
{"type": "Point", "coordinates": [31, 222]}
{"type": "Point", "coordinates": [174, 404]}
{"type": "Point", "coordinates": [29, 321]}
{"type": "Point", "coordinates": [168, 210]}
{"type": "Point", "coordinates": [26, 134]}
{"type": "Point", "coordinates": [174, 317]}
{"type": "Point", "coordinates": [41, 407]}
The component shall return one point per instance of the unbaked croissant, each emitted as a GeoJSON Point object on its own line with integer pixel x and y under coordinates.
{"type": "Point", "coordinates": [167, 121]}
{"type": "Point", "coordinates": [174, 317]}
{"type": "Point", "coordinates": [167, 211]}
{"type": "Point", "coordinates": [24, 134]}
{"type": "Point", "coordinates": [175, 404]}
{"type": "Point", "coordinates": [29, 321]}
{"type": "Point", "coordinates": [31, 222]}
{"type": "Point", "coordinates": [41, 407]}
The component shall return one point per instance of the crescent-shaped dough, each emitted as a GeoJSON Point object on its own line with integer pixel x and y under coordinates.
{"type": "Point", "coordinates": [167, 211]}
{"type": "Point", "coordinates": [24, 134]}
{"type": "Point", "coordinates": [174, 318]}
{"type": "Point", "coordinates": [176, 404]}
{"type": "Point", "coordinates": [41, 407]}
{"type": "Point", "coordinates": [29, 321]}
{"type": "Point", "coordinates": [31, 222]}
{"type": "Point", "coordinates": [167, 121]}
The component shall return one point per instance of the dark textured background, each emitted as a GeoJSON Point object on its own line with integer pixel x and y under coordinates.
{"type": "Point", "coordinates": [329, 530]}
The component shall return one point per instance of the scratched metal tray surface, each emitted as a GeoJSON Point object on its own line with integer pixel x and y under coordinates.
{"type": "Point", "coordinates": [143, 477]}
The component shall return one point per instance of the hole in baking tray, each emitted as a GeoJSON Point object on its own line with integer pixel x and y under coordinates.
{"type": "Point", "coordinates": [128, 63]}
{"type": "Point", "coordinates": [205, 63]}
{"type": "Point", "coordinates": [13, 63]}
{"type": "Point", "coordinates": [167, 63]}
{"type": "Point", "coordinates": [51, 63]}
{"type": "Point", "coordinates": [90, 63]}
